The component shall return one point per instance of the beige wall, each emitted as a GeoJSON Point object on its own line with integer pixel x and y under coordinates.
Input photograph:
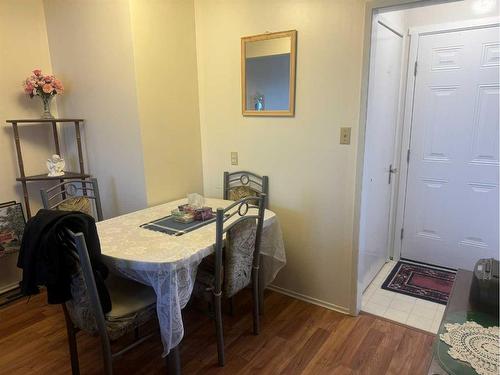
{"type": "Point", "coordinates": [91, 50]}
{"type": "Point", "coordinates": [167, 90]}
{"type": "Point", "coordinates": [24, 46]}
{"type": "Point", "coordinates": [311, 175]}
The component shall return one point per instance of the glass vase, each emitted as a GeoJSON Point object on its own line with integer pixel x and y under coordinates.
{"type": "Point", "coordinates": [46, 99]}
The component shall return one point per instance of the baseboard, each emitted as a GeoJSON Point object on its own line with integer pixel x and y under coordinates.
{"type": "Point", "coordinates": [314, 301]}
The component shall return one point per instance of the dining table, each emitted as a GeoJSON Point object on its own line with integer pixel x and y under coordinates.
{"type": "Point", "coordinates": [168, 263]}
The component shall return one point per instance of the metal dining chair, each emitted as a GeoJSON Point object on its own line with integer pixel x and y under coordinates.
{"type": "Point", "coordinates": [74, 195]}
{"type": "Point", "coordinates": [133, 304]}
{"type": "Point", "coordinates": [244, 184]}
{"type": "Point", "coordinates": [236, 264]}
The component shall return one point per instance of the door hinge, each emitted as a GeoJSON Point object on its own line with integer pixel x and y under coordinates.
{"type": "Point", "coordinates": [402, 233]}
{"type": "Point", "coordinates": [415, 69]}
{"type": "Point", "coordinates": [408, 157]}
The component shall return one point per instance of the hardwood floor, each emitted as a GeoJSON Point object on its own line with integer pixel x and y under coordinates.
{"type": "Point", "coordinates": [296, 338]}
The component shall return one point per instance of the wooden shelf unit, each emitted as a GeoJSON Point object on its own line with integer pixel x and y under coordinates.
{"type": "Point", "coordinates": [44, 177]}
{"type": "Point", "coordinates": [23, 179]}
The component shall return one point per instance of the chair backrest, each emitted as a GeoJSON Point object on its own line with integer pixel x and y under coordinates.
{"type": "Point", "coordinates": [85, 307]}
{"type": "Point", "coordinates": [242, 222]}
{"type": "Point", "coordinates": [74, 195]}
{"type": "Point", "coordinates": [244, 184]}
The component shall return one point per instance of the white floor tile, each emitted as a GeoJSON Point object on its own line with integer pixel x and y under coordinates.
{"type": "Point", "coordinates": [386, 269]}
{"type": "Point", "coordinates": [396, 315]}
{"type": "Point", "coordinates": [369, 291]}
{"type": "Point", "coordinates": [404, 298]}
{"type": "Point", "coordinates": [400, 308]}
{"type": "Point", "coordinates": [401, 305]}
{"type": "Point", "coordinates": [424, 309]}
{"type": "Point", "coordinates": [441, 308]}
{"type": "Point", "coordinates": [364, 300]}
{"type": "Point", "coordinates": [385, 292]}
{"type": "Point", "coordinates": [438, 315]}
{"type": "Point", "coordinates": [419, 322]}
{"type": "Point", "coordinates": [382, 297]}
{"type": "Point", "coordinates": [378, 281]}
{"type": "Point", "coordinates": [374, 308]}
{"type": "Point", "coordinates": [427, 304]}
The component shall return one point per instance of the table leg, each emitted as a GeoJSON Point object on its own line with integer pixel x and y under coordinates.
{"type": "Point", "coordinates": [174, 361]}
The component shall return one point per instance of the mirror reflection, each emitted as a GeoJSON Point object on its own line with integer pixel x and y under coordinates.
{"type": "Point", "coordinates": [268, 74]}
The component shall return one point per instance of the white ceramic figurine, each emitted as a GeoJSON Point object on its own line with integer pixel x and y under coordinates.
{"type": "Point", "coordinates": [55, 165]}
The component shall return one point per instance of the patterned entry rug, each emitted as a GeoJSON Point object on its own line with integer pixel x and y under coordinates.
{"type": "Point", "coordinates": [420, 281]}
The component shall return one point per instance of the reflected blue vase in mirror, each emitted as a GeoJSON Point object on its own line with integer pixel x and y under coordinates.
{"type": "Point", "coordinates": [259, 103]}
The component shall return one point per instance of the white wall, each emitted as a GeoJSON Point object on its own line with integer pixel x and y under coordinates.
{"type": "Point", "coordinates": [452, 12]}
{"type": "Point", "coordinates": [311, 175]}
{"type": "Point", "coordinates": [92, 53]}
{"type": "Point", "coordinates": [135, 83]}
{"type": "Point", "coordinates": [163, 34]}
{"type": "Point", "coordinates": [443, 13]}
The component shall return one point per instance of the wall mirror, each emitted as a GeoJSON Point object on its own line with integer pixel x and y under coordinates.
{"type": "Point", "coordinates": [268, 74]}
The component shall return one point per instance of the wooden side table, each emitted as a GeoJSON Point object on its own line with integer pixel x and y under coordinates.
{"type": "Point", "coordinates": [43, 177]}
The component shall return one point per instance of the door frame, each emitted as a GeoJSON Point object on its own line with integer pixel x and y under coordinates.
{"type": "Point", "coordinates": [380, 20]}
{"type": "Point", "coordinates": [414, 37]}
{"type": "Point", "coordinates": [370, 7]}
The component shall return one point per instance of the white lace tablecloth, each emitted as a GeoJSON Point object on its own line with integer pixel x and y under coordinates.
{"type": "Point", "coordinates": [169, 263]}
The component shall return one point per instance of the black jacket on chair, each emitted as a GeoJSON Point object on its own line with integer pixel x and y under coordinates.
{"type": "Point", "coordinates": [46, 260]}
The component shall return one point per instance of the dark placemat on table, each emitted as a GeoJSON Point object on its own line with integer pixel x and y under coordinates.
{"type": "Point", "coordinates": [169, 226]}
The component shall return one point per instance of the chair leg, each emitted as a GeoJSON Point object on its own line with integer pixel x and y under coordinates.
{"type": "Point", "coordinates": [107, 356]}
{"type": "Point", "coordinates": [231, 306]}
{"type": "Point", "coordinates": [262, 286]}
{"type": "Point", "coordinates": [218, 329]}
{"type": "Point", "coordinates": [261, 299]}
{"type": "Point", "coordinates": [174, 361]}
{"type": "Point", "coordinates": [73, 350]}
{"type": "Point", "coordinates": [255, 298]}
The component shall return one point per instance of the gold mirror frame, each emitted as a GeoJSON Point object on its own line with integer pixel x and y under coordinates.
{"type": "Point", "coordinates": [292, 34]}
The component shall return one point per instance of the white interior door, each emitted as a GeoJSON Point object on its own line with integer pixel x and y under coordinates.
{"type": "Point", "coordinates": [451, 213]}
{"type": "Point", "coordinates": [382, 117]}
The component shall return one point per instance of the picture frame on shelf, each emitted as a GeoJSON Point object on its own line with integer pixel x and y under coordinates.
{"type": "Point", "coordinates": [12, 224]}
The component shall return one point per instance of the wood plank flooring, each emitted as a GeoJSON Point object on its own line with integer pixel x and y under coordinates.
{"type": "Point", "coordinates": [296, 338]}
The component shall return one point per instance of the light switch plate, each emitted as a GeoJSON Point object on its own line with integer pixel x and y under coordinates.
{"type": "Point", "coordinates": [234, 158]}
{"type": "Point", "coordinates": [345, 136]}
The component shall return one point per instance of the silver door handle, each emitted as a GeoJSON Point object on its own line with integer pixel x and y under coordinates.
{"type": "Point", "coordinates": [391, 171]}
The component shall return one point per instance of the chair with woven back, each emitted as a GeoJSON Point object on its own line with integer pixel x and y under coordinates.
{"type": "Point", "coordinates": [74, 195]}
{"type": "Point", "coordinates": [236, 262]}
{"type": "Point", "coordinates": [132, 304]}
{"type": "Point", "coordinates": [244, 184]}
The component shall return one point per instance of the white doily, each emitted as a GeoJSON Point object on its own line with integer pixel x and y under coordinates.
{"type": "Point", "coordinates": [474, 344]}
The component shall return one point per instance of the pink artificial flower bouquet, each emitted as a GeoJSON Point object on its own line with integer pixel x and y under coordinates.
{"type": "Point", "coordinates": [39, 84]}
{"type": "Point", "coordinates": [46, 86]}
